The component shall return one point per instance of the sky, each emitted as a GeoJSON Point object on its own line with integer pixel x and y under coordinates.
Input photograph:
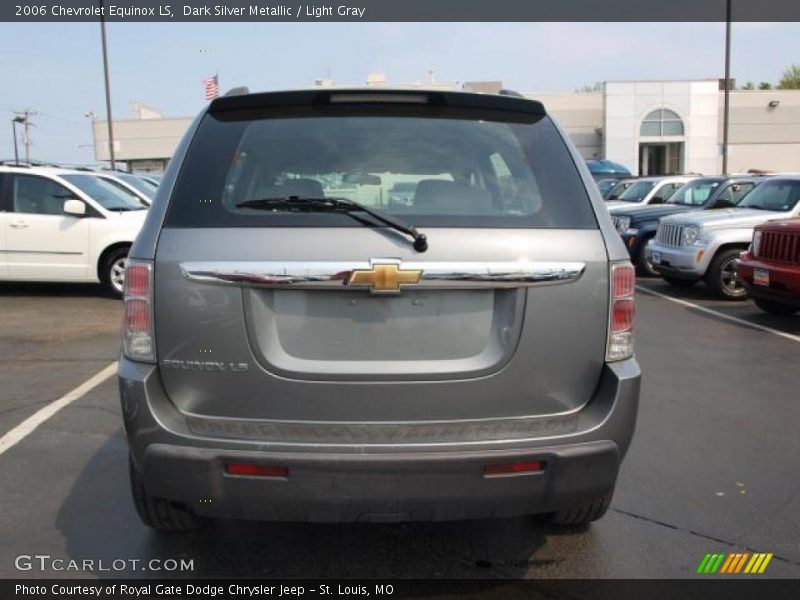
{"type": "Point", "coordinates": [56, 69]}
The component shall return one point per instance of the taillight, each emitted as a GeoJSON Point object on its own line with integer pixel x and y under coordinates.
{"type": "Point", "coordinates": [622, 309]}
{"type": "Point", "coordinates": [138, 340]}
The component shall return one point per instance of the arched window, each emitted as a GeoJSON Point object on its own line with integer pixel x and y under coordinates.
{"type": "Point", "coordinates": [661, 122]}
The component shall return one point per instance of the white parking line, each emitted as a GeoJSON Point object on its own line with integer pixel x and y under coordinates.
{"type": "Point", "coordinates": [22, 430]}
{"type": "Point", "coordinates": [783, 334]}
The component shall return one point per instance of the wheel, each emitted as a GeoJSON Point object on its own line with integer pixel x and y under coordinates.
{"type": "Point", "coordinates": [582, 515]}
{"type": "Point", "coordinates": [775, 308]}
{"type": "Point", "coordinates": [678, 282]}
{"type": "Point", "coordinates": [722, 277]}
{"type": "Point", "coordinates": [643, 266]}
{"type": "Point", "coordinates": [159, 513]}
{"type": "Point", "coordinates": [112, 271]}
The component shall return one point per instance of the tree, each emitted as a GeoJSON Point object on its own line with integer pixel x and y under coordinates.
{"type": "Point", "coordinates": [791, 78]}
{"type": "Point", "coordinates": [765, 85]}
{"type": "Point", "coordinates": [749, 86]}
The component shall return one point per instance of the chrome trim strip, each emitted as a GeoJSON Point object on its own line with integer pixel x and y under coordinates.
{"type": "Point", "coordinates": [335, 275]}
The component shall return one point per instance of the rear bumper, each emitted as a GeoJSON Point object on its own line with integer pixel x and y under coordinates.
{"type": "Point", "coordinates": [784, 280]}
{"type": "Point", "coordinates": [365, 482]}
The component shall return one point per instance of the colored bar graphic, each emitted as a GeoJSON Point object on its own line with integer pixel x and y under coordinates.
{"type": "Point", "coordinates": [734, 563]}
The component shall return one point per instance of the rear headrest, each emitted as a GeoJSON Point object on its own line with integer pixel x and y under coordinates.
{"type": "Point", "coordinates": [448, 197]}
{"type": "Point", "coordinates": [309, 188]}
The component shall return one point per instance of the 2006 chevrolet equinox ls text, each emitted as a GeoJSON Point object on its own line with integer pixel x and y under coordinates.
{"type": "Point", "coordinates": [301, 344]}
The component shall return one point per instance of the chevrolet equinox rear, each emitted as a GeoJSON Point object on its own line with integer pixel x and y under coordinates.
{"type": "Point", "coordinates": [302, 343]}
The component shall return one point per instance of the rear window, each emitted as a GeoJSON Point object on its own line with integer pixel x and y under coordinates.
{"type": "Point", "coordinates": [429, 170]}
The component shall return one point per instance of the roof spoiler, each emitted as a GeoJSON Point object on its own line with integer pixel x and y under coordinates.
{"type": "Point", "coordinates": [238, 99]}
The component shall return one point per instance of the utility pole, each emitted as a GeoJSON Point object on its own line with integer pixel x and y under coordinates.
{"type": "Point", "coordinates": [108, 86]}
{"type": "Point", "coordinates": [726, 109]}
{"type": "Point", "coordinates": [24, 117]}
{"type": "Point", "coordinates": [14, 122]}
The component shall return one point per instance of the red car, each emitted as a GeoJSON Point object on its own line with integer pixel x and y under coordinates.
{"type": "Point", "coordinates": [770, 269]}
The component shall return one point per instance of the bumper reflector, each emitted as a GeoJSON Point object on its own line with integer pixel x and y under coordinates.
{"type": "Point", "coordinates": [256, 470]}
{"type": "Point", "coordinates": [533, 466]}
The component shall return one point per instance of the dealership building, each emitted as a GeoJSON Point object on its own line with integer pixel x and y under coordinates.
{"type": "Point", "coordinates": [651, 127]}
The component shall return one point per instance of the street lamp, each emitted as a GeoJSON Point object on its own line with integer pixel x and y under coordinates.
{"type": "Point", "coordinates": [108, 86]}
{"type": "Point", "coordinates": [727, 93]}
{"type": "Point", "coordinates": [14, 122]}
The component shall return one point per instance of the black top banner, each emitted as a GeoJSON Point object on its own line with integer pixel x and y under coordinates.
{"type": "Point", "coordinates": [399, 10]}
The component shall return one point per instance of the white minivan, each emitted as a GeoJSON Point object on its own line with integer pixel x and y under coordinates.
{"type": "Point", "coordinates": [65, 225]}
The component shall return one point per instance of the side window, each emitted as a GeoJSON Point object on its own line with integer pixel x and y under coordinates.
{"type": "Point", "coordinates": [36, 195]}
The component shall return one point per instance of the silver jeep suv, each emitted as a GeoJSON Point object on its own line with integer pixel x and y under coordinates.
{"type": "Point", "coordinates": [301, 344]}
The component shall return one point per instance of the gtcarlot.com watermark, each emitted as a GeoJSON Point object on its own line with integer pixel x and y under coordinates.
{"type": "Point", "coordinates": [47, 562]}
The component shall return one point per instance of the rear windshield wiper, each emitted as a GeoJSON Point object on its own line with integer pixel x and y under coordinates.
{"type": "Point", "coordinates": [311, 204]}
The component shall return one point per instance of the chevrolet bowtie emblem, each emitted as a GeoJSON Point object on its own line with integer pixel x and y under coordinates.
{"type": "Point", "coordinates": [384, 277]}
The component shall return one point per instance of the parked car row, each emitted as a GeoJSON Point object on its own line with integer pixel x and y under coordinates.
{"type": "Point", "coordinates": [638, 225]}
{"type": "Point", "coordinates": [690, 247]}
{"type": "Point", "coordinates": [712, 229]}
{"type": "Point", "coordinates": [68, 224]}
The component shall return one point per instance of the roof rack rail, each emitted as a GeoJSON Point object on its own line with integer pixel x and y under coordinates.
{"type": "Point", "coordinates": [511, 93]}
{"type": "Point", "coordinates": [238, 91]}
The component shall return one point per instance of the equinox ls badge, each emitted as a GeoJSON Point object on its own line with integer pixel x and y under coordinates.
{"type": "Point", "coordinates": [205, 365]}
{"type": "Point", "coordinates": [384, 277]}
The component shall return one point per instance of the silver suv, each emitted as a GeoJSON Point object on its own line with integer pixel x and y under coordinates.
{"type": "Point", "coordinates": [300, 345]}
{"type": "Point", "coordinates": [690, 247]}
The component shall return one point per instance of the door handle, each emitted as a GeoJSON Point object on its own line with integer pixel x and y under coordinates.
{"type": "Point", "coordinates": [19, 224]}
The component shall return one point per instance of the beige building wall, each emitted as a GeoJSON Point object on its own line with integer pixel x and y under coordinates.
{"type": "Point", "coordinates": [581, 116]}
{"type": "Point", "coordinates": [136, 139]}
{"type": "Point", "coordinates": [764, 131]}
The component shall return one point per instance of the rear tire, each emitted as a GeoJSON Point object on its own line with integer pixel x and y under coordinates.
{"type": "Point", "coordinates": [775, 308]}
{"type": "Point", "coordinates": [678, 282]}
{"type": "Point", "coordinates": [722, 277]}
{"type": "Point", "coordinates": [584, 514]}
{"type": "Point", "coordinates": [159, 513]}
{"type": "Point", "coordinates": [112, 271]}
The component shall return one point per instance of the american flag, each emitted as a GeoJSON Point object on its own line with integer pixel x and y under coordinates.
{"type": "Point", "coordinates": [211, 87]}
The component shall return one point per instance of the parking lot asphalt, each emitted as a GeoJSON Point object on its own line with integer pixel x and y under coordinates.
{"type": "Point", "coordinates": [713, 465]}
